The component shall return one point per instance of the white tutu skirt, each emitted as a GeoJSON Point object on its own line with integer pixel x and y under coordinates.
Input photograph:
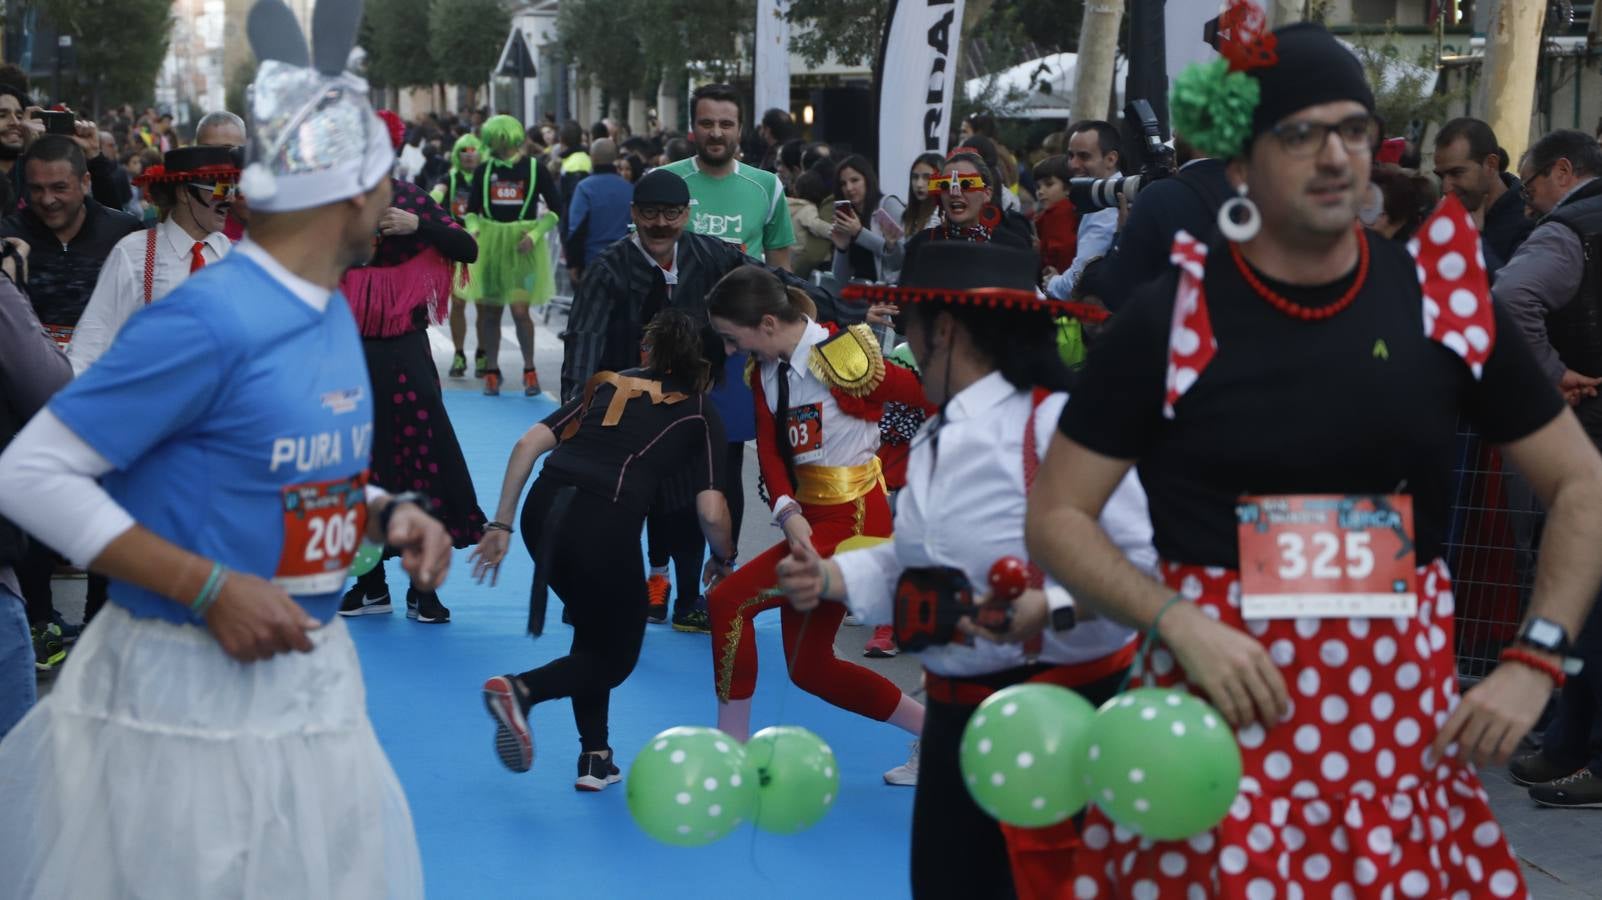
{"type": "Point", "coordinates": [158, 767]}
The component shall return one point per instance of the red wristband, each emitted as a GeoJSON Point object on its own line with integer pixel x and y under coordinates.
{"type": "Point", "coordinates": [1526, 658]}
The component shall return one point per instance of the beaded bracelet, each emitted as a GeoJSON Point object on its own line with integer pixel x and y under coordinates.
{"type": "Point", "coordinates": [211, 590]}
{"type": "Point", "coordinates": [1526, 658]}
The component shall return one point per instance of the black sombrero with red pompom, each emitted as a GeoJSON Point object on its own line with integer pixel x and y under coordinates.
{"type": "Point", "coordinates": [972, 273]}
{"type": "Point", "coordinates": [199, 164]}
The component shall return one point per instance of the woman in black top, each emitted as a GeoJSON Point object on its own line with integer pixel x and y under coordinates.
{"type": "Point", "coordinates": [613, 446]}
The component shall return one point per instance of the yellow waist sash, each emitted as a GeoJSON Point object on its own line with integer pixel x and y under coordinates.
{"type": "Point", "coordinates": [833, 485]}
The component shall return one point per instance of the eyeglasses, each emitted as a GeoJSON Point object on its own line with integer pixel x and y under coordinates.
{"type": "Point", "coordinates": [653, 213]}
{"type": "Point", "coordinates": [1524, 191]}
{"type": "Point", "coordinates": [1308, 138]}
{"type": "Point", "coordinates": [965, 182]}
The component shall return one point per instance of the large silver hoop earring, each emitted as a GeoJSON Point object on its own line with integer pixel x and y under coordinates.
{"type": "Point", "coordinates": [1238, 218]}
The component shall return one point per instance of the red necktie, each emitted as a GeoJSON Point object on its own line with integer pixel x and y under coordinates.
{"type": "Point", "coordinates": [196, 261]}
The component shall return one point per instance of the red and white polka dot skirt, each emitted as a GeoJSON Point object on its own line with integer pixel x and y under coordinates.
{"type": "Point", "coordinates": [1344, 798]}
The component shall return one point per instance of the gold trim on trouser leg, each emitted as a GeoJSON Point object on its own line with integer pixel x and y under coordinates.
{"type": "Point", "coordinates": [860, 521]}
{"type": "Point", "coordinates": [731, 642]}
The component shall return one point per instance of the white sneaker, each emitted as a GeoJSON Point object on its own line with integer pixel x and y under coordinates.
{"type": "Point", "coordinates": [851, 620]}
{"type": "Point", "coordinates": [906, 774]}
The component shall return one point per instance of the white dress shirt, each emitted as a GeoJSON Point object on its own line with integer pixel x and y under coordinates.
{"type": "Point", "coordinates": [120, 290]}
{"type": "Point", "coordinates": [847, 440]}
{"type": "Point", "coordinates": [963, 506]}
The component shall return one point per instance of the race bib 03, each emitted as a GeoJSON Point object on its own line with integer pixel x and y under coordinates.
{"type": "Point", "coordinates": [1327, 556]}
{"type": "Point", "coordinates": [323, 524]}
{"type": "Point", "coordinates": [805, 425]}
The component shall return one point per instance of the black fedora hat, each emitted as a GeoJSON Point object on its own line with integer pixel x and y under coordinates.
{"type": "Point", "coordinates": [203, 164]}
{"type": "Point", "coordinates": [972, 273]}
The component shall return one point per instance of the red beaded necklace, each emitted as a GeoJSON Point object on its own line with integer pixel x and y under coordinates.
{"type": "Point", "coordinates": [1297, 311]}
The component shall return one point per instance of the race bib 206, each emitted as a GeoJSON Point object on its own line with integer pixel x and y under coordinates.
{"type": "Point", "coordinates": [323, 524]}
{"type": "Point", "coordinates": [1327, 556]}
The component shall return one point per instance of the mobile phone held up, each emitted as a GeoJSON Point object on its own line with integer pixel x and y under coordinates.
{"type": "Point", "coordinates": [843, 207]}
{"type": "Point", "coordinates": [57, 122]}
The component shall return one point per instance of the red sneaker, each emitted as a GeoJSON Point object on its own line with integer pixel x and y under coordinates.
{"type": "Point", "coordinates": [492, 384]}
{"type": "Point", "coordinates": [657, 587]}
{"type": "Point", "coordinates": [883, 643]}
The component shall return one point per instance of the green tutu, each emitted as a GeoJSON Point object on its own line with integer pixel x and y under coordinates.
{"type": "Point", "coordinates": [504, 274]}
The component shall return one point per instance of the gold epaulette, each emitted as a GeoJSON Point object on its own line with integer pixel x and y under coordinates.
{"type": "Point", "coordinates": [849, 361]}
{"type": "Point", "coordinates": [750, 370]}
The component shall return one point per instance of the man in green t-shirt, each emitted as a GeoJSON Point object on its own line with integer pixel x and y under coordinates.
{"type": "Point", "coordinates": [737, 203]}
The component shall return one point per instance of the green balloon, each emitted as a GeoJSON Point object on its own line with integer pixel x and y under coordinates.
{"type": "Point", "coordinates": [368, 556]}
{"type": "Point", "coordinates": [690, 786]}
{"type": "Point", "coordinates": [797, 778]}
{"type": "Point", "coordinates": [1022, 754]}
{"type": "Point", "coordinates": [1162, 763]}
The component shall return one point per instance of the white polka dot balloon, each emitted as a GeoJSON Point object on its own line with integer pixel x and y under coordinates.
{"type": "Point", "coordinates": [797, 776]}
{"type": "Point", "coordinates": [1022, 754]}
{"type": "Point", "coordinates": [1162, 763]}
{"type": "Point", "coordinates": [691, 786]}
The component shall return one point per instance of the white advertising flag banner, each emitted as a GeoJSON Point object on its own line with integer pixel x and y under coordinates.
{"type": "Point", "coordinates": [916, 82]}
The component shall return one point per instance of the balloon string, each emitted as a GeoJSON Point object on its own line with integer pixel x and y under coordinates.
{"type": "Point", "coordinates": [1139, 664]}
{"type": "Point", "coordinates": [773, 746]}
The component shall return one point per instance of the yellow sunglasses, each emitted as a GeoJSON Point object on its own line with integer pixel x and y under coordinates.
{"type": "Point", "coordinates": [965, 182]}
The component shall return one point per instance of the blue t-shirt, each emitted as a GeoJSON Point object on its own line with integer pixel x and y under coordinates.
{"type": "Point", "coordinates": [239, 423]}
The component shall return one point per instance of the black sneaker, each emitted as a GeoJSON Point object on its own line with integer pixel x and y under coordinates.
{"type": "Point", "coordinates": [479, 365]}
{"type": "Point", "coordinates": [595, 772]}
{"type": "Point", "coordinates": [696, 620]}
{"type": "Point", "coordinates": [458, 365]}
{"type": "Point", "coordinates": [48, 650]}
{"type": "Point", "coordinates": [429, 610]}
{"type": "Point", "coordinates": [1534, 768]}
{"type": "Point", "coordinates": [1581, 790]}
{"type": "Point", "coordinates": [411, 604]}
{"type": "Point", "coordinates": [357, 603]}
{"type": "Point", "coordinates": [67, 631]}
{"type": "Point", "coordinates": [508, 706]}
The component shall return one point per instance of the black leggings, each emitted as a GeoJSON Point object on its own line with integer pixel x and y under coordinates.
{"type": "Point", "coordinates": [595, 568]}
{"type": "Point", "coordinates": [674, 535]}
{"type": "Point", "coordinates": [957, 850]}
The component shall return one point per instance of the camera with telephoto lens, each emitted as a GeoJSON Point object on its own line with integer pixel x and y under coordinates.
{"type": "Point", "coordinates": [1091, 194]}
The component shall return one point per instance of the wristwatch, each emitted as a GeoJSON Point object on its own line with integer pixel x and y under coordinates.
{"type": "Point", "coordinates": [1544, 634]}
{"type": "Point", "coordinates": [1550, 637]}
{"type": "Point", "coordinates": [415, 498]}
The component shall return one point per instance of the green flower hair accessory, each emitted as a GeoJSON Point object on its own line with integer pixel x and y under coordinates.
{"type": "Point", "coordinates": [1212, 107]}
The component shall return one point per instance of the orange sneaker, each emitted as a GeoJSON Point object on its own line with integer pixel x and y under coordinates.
{"type": "Point", "coordinates": [657, 587]}
{"type": "Point", "coordinates": [531, 383]}
{"type": "Point", "coordinates": [492, 384]}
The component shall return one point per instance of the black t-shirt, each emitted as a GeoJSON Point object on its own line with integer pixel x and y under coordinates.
{"type": "Point", "coordinates": [1363, 402]}
{"type": "Point", "coordinates": [511, 190]}
{"type": "Point", "coordinates": [627, 462]}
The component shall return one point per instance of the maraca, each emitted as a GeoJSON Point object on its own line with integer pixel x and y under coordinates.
{"type": "Point", "coordinates": [1009, 578]}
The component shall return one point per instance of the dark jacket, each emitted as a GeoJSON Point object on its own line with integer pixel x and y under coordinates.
{"type": "Point", "coordinates": [623, 289]}
{"type": "Point", "coordinates": [1506, 225]}
{"type": "Point", "coordinates": [32, 368]}
{"type": "Point", "coordinates": [1189, 201]}
{"type": "Point", "coordinates": [1013, 230]}
{"type": "Point", "coordinates": [1575, 327]}
{"type": "Point", "coordinates": [62, 276]}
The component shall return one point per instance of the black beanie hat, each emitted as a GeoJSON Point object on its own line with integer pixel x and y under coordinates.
{"type": "Point", "coordinates": [661, 187]}
{"type": "Point", "coordinates": [1313, 68]}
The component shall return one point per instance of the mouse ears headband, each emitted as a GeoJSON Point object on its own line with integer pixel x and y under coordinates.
{"type": "Point", "coordinates": [314, 136]}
